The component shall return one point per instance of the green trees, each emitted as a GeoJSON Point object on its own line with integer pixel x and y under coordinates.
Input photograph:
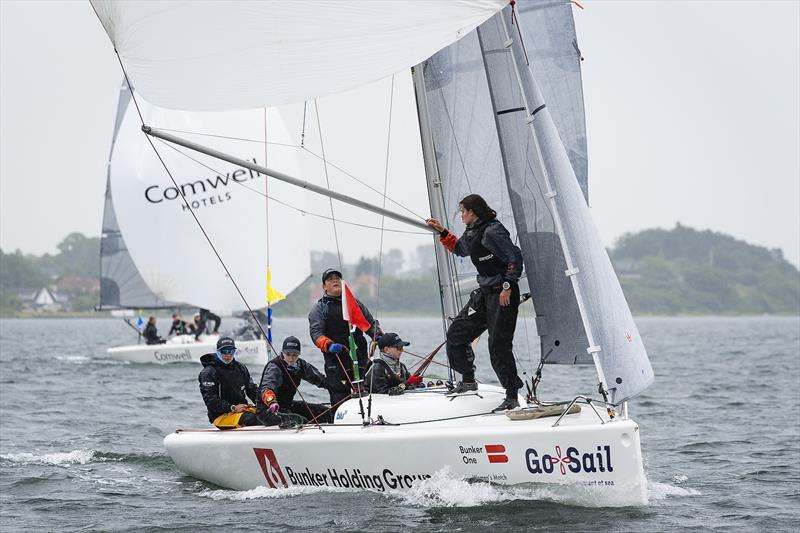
{"type": "Point", "coordinates": [703, 272]}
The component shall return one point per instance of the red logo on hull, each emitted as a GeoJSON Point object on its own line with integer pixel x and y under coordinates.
{"type": "Point", "coordinates": [269, 465]}
{"type": "Point", "coordinates": [496, 453]}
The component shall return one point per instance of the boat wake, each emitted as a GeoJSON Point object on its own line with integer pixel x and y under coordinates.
{"type": "Point", "coordinates": [443, 489]}
{"type": "Point", "coordinates": [660, 491]}
{"type": "Point", "coordinates": [265, 492]}
{"type": "Point", "coordinates": [75, 457]}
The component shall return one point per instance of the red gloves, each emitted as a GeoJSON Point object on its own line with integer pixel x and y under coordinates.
{"type": "Point", "coordinates": [414, 380]}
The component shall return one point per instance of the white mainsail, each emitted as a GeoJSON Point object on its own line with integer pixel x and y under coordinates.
{"type": "Point", "coordinates": [259, 67]}
{"type": "Point", "coordinates": [273, 52]}
{"type": "Point", "coordinates": [169, 252]}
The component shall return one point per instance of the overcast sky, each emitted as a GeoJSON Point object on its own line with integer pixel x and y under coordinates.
{"type": "Point", "coordinates": [693, 116]}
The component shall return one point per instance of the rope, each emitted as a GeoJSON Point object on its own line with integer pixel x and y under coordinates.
{"type": "Point", "coordinates": [274, 199]}
{"type": "Point", "coordinates": [309, 152]}
{"type": "Point", "coordinates": [385, 186]}
{"type": "Point", "coordinates": [328, 182]}
{"type": "Point", "coordinates": [199, 225]}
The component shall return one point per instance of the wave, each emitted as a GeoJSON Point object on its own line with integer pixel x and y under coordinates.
{"type": "Point", "coordinates": [82, 457]}
{"type": "Point", "coordinates": [444, 490]}
{"type": "Point", "coordinates": [75, 457]}
{"type": "Point", "coordinates": [265, 492]}
{"type": "Point", "coordinates": [659, 491]}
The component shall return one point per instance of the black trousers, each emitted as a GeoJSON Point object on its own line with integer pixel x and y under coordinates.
{"type": "Point", "coordinates": [484, 312]}
{"type": "Point", "coordinates": [339, 381]}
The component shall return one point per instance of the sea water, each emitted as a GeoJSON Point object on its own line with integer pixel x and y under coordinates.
{"type": "Point", "coordinates": [81, 439]}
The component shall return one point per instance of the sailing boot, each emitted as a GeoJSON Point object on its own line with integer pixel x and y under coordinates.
{"type": "Point", "coordinates": [463, 386]}
{"type": "Point", "coordinates": [508, 403]}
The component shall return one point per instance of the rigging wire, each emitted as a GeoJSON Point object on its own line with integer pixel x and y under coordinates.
{"type": "Point", "coordinates": [202, 229]}
{"type": "Point", "coordinates": [279, 201]}
{"type": "Point", "coordinates": [266, 216]}
{"type": "Point", "coordinates": [383, 224]}
{"type": "Point", "coordinates": [309, 152]}
{"type": "Point", "coordinates": [328, 182]}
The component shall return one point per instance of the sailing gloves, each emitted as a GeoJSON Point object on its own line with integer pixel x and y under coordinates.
{"type": "Point", "coordinates": [270, 401]}
{"type": "Point", "coordinates": [335, 347]}
{"type": "Point", "coordinates": [414, 380]}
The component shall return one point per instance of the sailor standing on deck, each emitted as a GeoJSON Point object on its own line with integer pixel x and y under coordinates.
{"type": "Point", "coordinates": [280, 380]}
{"type": "Point", "coordinates": [329, 332]}
{"type": "Point", "coordinates": [494, 305]}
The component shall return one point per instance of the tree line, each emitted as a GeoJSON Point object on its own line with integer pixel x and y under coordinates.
{"type": "Point", "coordinates": [668, 272]}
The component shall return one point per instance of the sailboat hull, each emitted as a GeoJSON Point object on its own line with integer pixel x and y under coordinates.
{"type": "Point", "coordinates": [186, 350]}
{"type": "Point", "coordinates": [600, 462]}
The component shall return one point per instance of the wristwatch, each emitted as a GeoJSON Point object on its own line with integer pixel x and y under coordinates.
{"type": "Point", "coordinates": [506, 286]}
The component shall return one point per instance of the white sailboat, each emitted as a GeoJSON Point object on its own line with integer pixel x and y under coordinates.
{"type": "Point", "coordinates": [152, 256]}
{"type": "Point", "coordinates": [485, 127]}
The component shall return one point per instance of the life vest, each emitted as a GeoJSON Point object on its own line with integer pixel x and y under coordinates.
{"type": "Point", "coordinates": [485, 261]}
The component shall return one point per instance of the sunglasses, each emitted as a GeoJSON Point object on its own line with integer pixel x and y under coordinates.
{"type": "Point", "coordinates": [228, 351]}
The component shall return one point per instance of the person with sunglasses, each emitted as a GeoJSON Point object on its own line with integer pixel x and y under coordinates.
{"type": "Point", "coordinates": [226, 386]}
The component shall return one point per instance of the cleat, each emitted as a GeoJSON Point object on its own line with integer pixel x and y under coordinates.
{"type": "Point", "coordinates": [508, 403]}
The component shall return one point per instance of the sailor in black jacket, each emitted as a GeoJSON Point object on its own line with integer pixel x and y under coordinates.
{"type": "Point", "coordinates": [494, 305]}
{"type": "Point", "coordinates": [150, 333]}
{"type": "Point", "coordinates": [226, 386]}
{"type": "Point", "coordinates": [388, 375]}
{"type": "Point", "coordinates": [280, 380]}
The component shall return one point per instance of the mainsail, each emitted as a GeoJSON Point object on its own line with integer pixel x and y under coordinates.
{"type": "Point", "coordinates": [491, 131]}
{"type": "Point", "coordinates": [152, 252]}
{"type": "Point", "coordinates": [541, 178]}
{"type": "Point", "coordinates": [121, 285]}
{"type": "Point", "coordinates": [469, 159]}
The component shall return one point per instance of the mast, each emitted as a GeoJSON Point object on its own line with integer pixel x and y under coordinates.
{"type": "Point", "coordinates": [446, 273]}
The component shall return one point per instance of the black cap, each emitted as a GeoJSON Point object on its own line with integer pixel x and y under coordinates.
{"type": "Point", "coordinates": [225, 342]}
{"type": "Point", "coordinates": [291, 345]}
{"type": "Point", "coordinates": [391, 339]}
{"type": "Point", "coordinates": [330, 272]}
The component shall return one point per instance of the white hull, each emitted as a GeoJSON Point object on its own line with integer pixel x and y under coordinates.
{"type": "Point", "coordinates": [184, 349]}
{"type": "Point", "coordinates": [603, 460]}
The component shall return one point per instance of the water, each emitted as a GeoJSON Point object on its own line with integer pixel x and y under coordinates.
{"type": "Point", "coordinates": [81, 440]}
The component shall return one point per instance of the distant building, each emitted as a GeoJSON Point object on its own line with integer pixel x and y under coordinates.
{"type": "Point", "coordinates": [44, 299]}
{"type": "Point", "coordinates": [78, 284]}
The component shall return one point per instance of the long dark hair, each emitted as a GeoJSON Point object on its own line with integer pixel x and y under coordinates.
{"type": "Point", "coordinates": [478, 205]}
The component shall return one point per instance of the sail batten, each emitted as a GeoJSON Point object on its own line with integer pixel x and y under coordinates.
{"type": "Point", "coordinates": [534, 155]}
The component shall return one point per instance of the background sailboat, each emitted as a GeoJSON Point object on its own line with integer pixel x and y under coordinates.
{"type": "Point", "coordinates": [152, 255]}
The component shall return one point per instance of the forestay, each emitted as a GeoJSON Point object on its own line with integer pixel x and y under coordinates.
{"type": "Point", "coordinates": [244, 55]}
{"type": "Point", "coordinates": [171, 256]}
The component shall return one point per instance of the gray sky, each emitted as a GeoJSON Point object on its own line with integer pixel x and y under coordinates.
{"type": "Point", "coordinates": [693, 116]}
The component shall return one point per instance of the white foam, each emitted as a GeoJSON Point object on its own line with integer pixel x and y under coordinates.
{"type": "Point", "coordinates": [80, 457]}
{"type": "Point", "coordinates": [659, 491]}
{"type": "Point", "coordinates": [77, 359]}
{"type": "Point", "coordinates": [444, 490]}
{"type": "Point", "coordinates": [264, 492]}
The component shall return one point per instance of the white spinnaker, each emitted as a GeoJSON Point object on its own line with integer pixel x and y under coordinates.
{"type": "Point", "coordinates": [167, 247]}
{"type": "Point", "coordinates": [244, 54]}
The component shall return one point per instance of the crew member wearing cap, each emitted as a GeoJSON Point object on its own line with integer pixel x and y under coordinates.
{"type": "Point", "coordinates": [388, 375]}
{"type": "Point", "coordinates": [280, 380]}
{"type": "Point", "coordinates": [225, 384]}
{"type": "Point", "coordinates": [329, 333]}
